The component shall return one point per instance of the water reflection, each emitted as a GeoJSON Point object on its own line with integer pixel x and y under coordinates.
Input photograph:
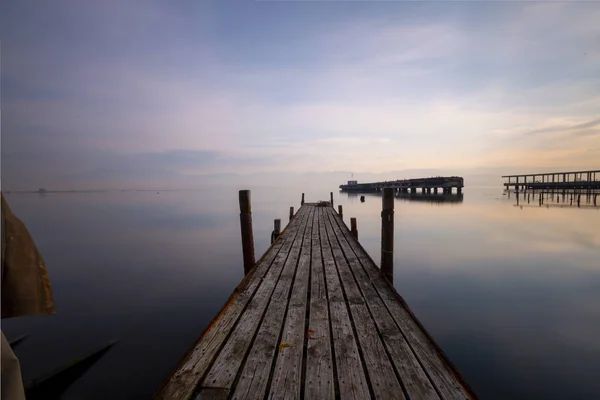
{"type": "Point", "coordinates": [505, 293]}
{"type": "Point", "coordinates": [424, 197]}
{"type": "Point", "coordinates": [558, 199]}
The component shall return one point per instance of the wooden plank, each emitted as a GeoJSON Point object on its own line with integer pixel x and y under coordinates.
{"type": "Point", "coordinates": [351, 379]}
{"type": "Point", "coordinates": [287, 377]}
{"type": "Point", "coordinates": [318, 383]}
{"type": "Point", "coordinates": [212, 394]}
{"type": "Point", "coordinates": [412, 376]}
{"type": "Point", "coordinates": [228, 362]}
{"type": "Point", "coordinates": [447, 383]}
{"type": "Point", "coordinates": [384, 383]}
{"type": "Point", "coordinates": [256, 370]}
{"type": "Point", "coordinates": [184, 380]}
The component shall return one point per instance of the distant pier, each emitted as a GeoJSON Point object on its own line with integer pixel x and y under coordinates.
{"type": "Point", "coordinates": [561, 189]}
{"type": "Point", "coordinates": [578, 181]}
{"type": "Point", "coordinates": [431, 185]}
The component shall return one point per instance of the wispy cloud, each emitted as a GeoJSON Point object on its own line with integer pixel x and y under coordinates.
{"type": "Point", "coordinates": [575, 129]}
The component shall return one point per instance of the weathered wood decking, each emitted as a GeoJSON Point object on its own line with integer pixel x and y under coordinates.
{"type": "Point", "coordinates": [315, 319]}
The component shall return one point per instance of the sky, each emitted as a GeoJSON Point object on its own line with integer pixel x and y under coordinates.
{"type": "Point", "coordinates": [99, 92]}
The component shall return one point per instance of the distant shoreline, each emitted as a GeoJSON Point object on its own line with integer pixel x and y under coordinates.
{"type": "Point", "coordinates": [95, 191]}
{"type": "Point", "coordinates": [53, 191]}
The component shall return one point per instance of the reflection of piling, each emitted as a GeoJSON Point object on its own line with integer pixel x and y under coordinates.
{"type": "Point", "coordinates": [246, 226]}
{"type": "Point", "coordinates": [387, 235]}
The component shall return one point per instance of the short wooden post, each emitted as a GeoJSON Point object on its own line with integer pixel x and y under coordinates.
{"type": "Point", "coordinates": [291, 213]}
{"type": "Point", "coordinates": [276, 230]}
{"type": "Point", "coordinates": [387, 235]}
{"type": "Point", "coordinates": [302, 201]}
{"type": "Point", "coordinates": [341, 211]}
{"type": "Point", "coordinates": [331, 198]}
{"type": "Point", "coordinates": [246, 225]}
{"type": "Point", "coordinates": [353, 228]}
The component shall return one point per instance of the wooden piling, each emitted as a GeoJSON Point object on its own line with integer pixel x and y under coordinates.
{"type": "Point", "coordinates": [353, 228]}
{"type": "Point", "coordinates": [302, 201]}
{"type": "Point", "coordinates": [291, 213]}
{"type": "Point", "coordinates": [340, 211]}
{"type": "Point", "coordinates": [246, 227]}
{"type": "Point", "coordinates": [387, 235]}
{"type": "Point", "coordinates": [276, 230]}
{"type": "Point", "coordinates": [331, 198]}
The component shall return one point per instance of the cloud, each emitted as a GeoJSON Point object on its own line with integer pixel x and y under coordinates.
{"type": "Point", "coordinates": [202, 87]}
{"type": "Point", "coordinates": [576, 128]}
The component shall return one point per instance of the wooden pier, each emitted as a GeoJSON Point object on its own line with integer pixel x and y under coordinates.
{"type": "Point", "coordinates": [579, 181]}
{"type": "Point", "coordinates": [315, 318]}
{"type": "Point", "coordinates": [423, 185]}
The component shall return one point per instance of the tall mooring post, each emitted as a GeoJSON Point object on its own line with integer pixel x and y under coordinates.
{"type": "Point", "coordinates": [387, 235]}
{"type": "Point", "coordinates": [331, 198]}
{"type": "Point", "coordinates": [246, 225]}
{"type": "Point", "coordinates": [302, 201]}
{"type": "Point", "coordinates": [291, 213]}
{"type": "Point", "coordinates": [340, 211]}
{"type": "Point", "coordinates": [276, 230]}
{"type": "Point", "coordinates": [353, 228]}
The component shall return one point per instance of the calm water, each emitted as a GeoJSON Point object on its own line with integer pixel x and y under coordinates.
{"type": "Point", "coordinates": [511, 294]}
